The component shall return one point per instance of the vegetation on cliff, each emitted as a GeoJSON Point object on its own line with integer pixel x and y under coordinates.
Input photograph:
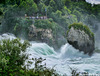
{"type": "Point", "coordinates": [46, 24]}
{"type": "Point", "coordinates": [62, 13]}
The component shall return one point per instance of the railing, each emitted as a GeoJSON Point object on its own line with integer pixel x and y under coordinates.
{"type": "Point", "coordinates": [32, 17]}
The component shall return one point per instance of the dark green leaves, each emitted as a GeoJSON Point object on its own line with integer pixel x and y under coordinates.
{"type": "Point", "coordinates": [11, 58]}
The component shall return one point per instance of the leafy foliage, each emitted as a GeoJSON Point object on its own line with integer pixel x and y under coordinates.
{"type": "Point", "coordinates": [27, 6]}
{"type": "Point", "coordinates": [63, 12]}
{"type": "Point", "coordinates": [11, 58]}
{"type": "Point", "coordinates": [42, 70]}
{"type": "Point", "coordinates": [45, 24]}
{"type": "Point", "coordinates": [21, 26]}
{"type": "Point", "coordinates": [13, 23]}
{"type": "Point", "coordinates": [75, 73]}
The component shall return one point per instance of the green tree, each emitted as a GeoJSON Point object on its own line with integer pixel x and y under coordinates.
{"type": "Point", "coordinates": [21, 27]}
{"type": "Point", "coordinates": [57, 16]}
{"type": "Point", "coordinates": [29, 6]}
{"type": "Point", "coordinates": [78, 15]}
{"type": "Point", "coordinates": [53, 5]}
{"type": "Point", "coordinates": [59, 4]}
{"type": "Point", "coordinates": [11, 58]}
{"type": "Point", "coordinates": [66, 11]}
{"type": "Point", "coordinates": [42, 8]}
{"type": "Point", "coordinates": [90, 19]}
{"type": "Point", "coordinates": [67, 2]}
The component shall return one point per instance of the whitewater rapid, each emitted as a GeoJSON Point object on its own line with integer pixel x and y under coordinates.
{"type": "Point", "coordinates": [63, 59]}
{"type": "Point", "coordinates": [66, 58]}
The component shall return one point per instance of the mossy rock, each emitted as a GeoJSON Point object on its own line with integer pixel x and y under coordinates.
{"type": "Point", "coordinates": [81, 27]}
{"type": "Point", "coordinates": [81, 37]}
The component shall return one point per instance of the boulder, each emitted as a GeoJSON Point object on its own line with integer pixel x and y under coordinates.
{"type": "Point", "coordinates": [40, 34]}
{"type": "Point", "coordinates": [47, 36]}
{"type": "Point", "coordinates": [81, 39]}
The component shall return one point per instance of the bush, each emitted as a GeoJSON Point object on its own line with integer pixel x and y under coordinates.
{"type": "Point", "coordinates": [46, 24]}
{"type": "Point", "coordinates": [28, 6]}
{"type": "Point", "coordinates": [21, 27]}
{"type": "Point", "coordinates": [74, 72]}
{"type": "Point", "coordinates": [40, 69]}
{"type": "Point", "coordinates": [14, 22]}
{"type": "Point", "coordinates": [11, 58]}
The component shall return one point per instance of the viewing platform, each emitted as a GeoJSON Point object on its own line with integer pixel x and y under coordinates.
{"type": "Point", "coordinates": [37, 17]}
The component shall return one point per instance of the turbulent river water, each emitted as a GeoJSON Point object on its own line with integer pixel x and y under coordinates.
{"type": "Point", "coordinates": [62, 59]}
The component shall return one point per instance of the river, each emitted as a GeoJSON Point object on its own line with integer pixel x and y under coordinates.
{"type": "Point", "coordinates": [62, 59]}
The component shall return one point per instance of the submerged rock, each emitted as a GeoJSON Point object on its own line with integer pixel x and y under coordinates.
{"type": "Point", "coordinates": [81, 38]}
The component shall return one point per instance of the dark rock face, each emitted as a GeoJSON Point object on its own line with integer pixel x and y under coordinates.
{"type": "Point", "coordinates": [80, 40]}
{"type": "Point", "coordinates": [45, 35]}
{"type": "Point", "coordinates": [39, 34]}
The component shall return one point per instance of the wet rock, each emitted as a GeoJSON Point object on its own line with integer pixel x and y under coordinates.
{"type": "Point", "coordinates": [47, 36]}
{"type": "Point", "coordinates": [39, 34]}
{"type": "Point", "coordinates": [80, 40]}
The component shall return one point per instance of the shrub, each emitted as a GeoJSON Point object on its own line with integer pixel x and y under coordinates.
{"type": "Point", "coordinates": [21, 27]}
{"type": "Point", "coordinates": [11, 58]}
{"type": "Point", "coordinates": [28, 6]}
{"type": "Point", "coordinates": [40, 69]}
{"type": "Point", "coordinates": [74, 72]}
{"type": "Point", "coordinates": [46, 24]}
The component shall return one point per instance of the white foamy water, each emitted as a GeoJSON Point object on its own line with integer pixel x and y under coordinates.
{"type": "Point", "coordinates": [63, 60]}
{"type": "Point", "coordinates": [68, 57]}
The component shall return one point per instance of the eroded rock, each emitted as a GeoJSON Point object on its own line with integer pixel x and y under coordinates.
{"type": "Point", "coordinates": [40, 34]}
{"type": "Point", "coordinates": [80, 40]}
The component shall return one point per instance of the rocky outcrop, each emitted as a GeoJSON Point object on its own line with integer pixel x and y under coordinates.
{"type": "Point", "coordinates": [80, 40]}
{"type": "Point", "coordinates": [47, 36]}
{"type": "Point", "coordinates": [39, 34]}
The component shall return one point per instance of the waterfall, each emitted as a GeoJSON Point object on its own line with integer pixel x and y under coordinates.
{"type": "Point", "coordinates": [63, 60]}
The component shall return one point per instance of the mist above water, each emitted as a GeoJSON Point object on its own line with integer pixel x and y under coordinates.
{"type": "Point", "coordinates": [66, 58]}
{"type": "Point", "coordinates": [97, 38]}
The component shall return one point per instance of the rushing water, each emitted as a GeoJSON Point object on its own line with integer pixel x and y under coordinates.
{"type": "Point", "coordinates": [63, 60]}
